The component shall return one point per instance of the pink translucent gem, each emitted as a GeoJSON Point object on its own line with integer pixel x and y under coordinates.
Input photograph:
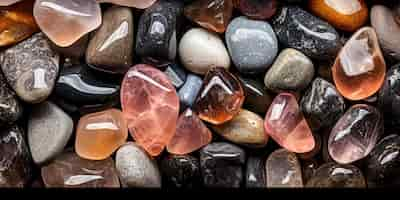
{"type": "Point", "coordinates": [8, 2]}
{"type": "Point", "coordinates": [191, 134]}
{"type": "Point", "coordinates": [141, 4]}
{"type": "Point", "coordinates": [66, 21]}
{"type": "Point", "coordinates": [150, 106]}
{"type": "Point", "coordinates": [286, 124]}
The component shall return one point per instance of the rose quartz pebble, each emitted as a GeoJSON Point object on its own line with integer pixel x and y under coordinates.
{"type": "Point", "coordinates": [286, 124]}
{"type": "Point", "coordinates": [191, 134]}
{"type": "Point", "coordinates": [150, 105]}
{"type": "Point", "coordinates": [8, 2]}
{"type": "Point", "coordinates": [141, 4]}
{"type": "Point", "coordinates": [66, 21]}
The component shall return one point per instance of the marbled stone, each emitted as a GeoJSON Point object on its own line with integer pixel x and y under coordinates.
{"type": "Point", "coordinates": [220, 98]}
{"type": "Point", "coordinates": [176, 74]}
{"type": "Point", "coordinates": [298, 29]}
{"type": "Point", "coordinates": [15, 159]}
{"type": "Point", "coordinates": [69, 170]}
{"type": "Point", "coordinates": [308, 169]}
{"type": "Point", "coordinates": [355, 134]}
{"type": "Point", "coordinates": [283, 170]}
{"type": "Point", "coordinates": [99, 134]}
{"type": "Point", "coordinates": [291, 71]}
{"type": "Point", "coordinates": [151, 106]}
{"type": "Point", "coordinates": [255, 173]}
{"type": "Point", "coordinates": [256, 9]}
{"type": "Point", "coordinates": [359, 69]}
{"type": "Point", "coordinates": [11, 109]}
{"type": "Point", "coordinates": [189, 91]}
{"type": "Point", "coordinates": [211, 14]}
{"type": "Point", "coordinates": [31, 68]}
{"type": "Point", "coordinates": [141, 4]}
{"type": "Point", "coordinates": [136, 168]}
{"type": "Point", "coordinates": [332, 175]}
{"type": "Point", "coordinates": [222, 165]}
{"type": "Point", "coordinates": [201, 50]}
{"type": "Point", "coordinates": [49, 130]}
{"type": "Point", "coordinates": [246, 128]}
{"type": "Point", "coordinates": [257, 98]}
{"type": "Point", "coordinates": [252, 45]}
{"type": "Point", "coordinates": [8, 2]}
{"type": "Point", "coordinates": [285, 123]}
{"type": "Point", "coordinates": [191, 134]}
{"type": "Point", "coordinates": [181, 171]}
{"type": "Point", "coordinates": [389, 98]}
{"type": "Point", "coordinates": [322, 104]}
{"type": "Point", "coordinates": [111, 46]}
{"type": "Point", "coordinates": [74, 19]}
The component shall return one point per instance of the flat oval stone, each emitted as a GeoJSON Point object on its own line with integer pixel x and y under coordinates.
{"type": "Point", "coordinates": [332, 175]}
{"type": "Point", "coordinates": [181, 171]}
{"type": "Point", "coordinates": [283, 170]}
{"type": "Point", "coordinates": [222, 165]}
{"type": "Point", "coordinates": [257, 98]}
{"type": "Point", "coordinates": [201, 50]}
{"type": "Point", "coordinates": [189, 91]}
{"type": "Point", "coordinates": [141, 4]}
{"type": "Point", "coordinates": [8, 2]}
{"type": "Point", "coordinates": [389, 99]}
{"type": "Point", "coordinates": [359, 69]}
{"type": "Point", "coordinates": [246, 128]}
{"type": "Point", "coordinates": [99, 134]}
{"type": "Point", "coordinates": [111, 46]}
{"type": "Point", "coordinates": [256, 9]}
{"type": "Point", "coordinates": [252, 45]}
{"type": "Point", "coordinates": [136, 168]}
{"type": "Point", "coordinates": [255, 173]}
{"type": "Point", "coordinates": [74, 19]}
{"type": "Point", "coordinates": [355, 134]}
{"type": "Point", "coordinates": [176, 74]}
{"type": "Point", "coordinates": [150, 105]}
{"type": "Point", "coordinates": [298, 29]}
{"type": "Point", "coordinates": [11, 109]}
{"type": "Point", "coordinates": [68, 170]}
{"type": "Point", "coordinates": [220, 98]}
{"type": "Point", "coordinates": [31, 68]}
{"type": "Point", "coordinates": [49, 130]}
{"type": "Point", "coordinates": [322, 104]}
{"type": "Point", "coordinates": [15, 159]}
{"type": "Point", "coordinates": [291, 71]}
{"type": "Point", "coordinates": [285, 123]}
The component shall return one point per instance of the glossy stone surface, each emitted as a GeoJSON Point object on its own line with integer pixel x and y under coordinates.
{"type": "Point", "coordinates": [285, 123]}
{"type": "Point", "coordinates": [150, 105]}
{"type": "Point", "coordinates": [222, 165]}
{"type": "Point", "coordinates": [8, 2]}
{"type": "Point", "coordinates": [315, 151]}
{"type": "Point", "coordinates": [181, 171]}
{"type": "Point", "coordinates": [189, 91]}
{"type": "Point", "coordinates": [389, 98]}
{"type": "Point", "coordinates": [11, 109]}
{"type": "Point", "coordinates": [383, 21]}
{"type": "Point", "coordinates": [15, 159]}
{"type": "Point", "coordinates": [49, 130]}
{"type": "Point", "coordinates": [321, 104]}
{"type": "Point", "coordinates": [246, 128]}
{"type": "Point", "coordinates": [256, 9]}
{"type": "Point", "coordinates": [74, 19]}
{"type": "Point", "coordinates": [355, 134]}
{"type": "Point", "coordinates": [298, 29]}
{"type": "Point", "coordinates": [141, 4]}
{"type": "Point", "coordinates": [220, 98]}
{"type": "Point", "coordinates": [257, 98]}
{"type": "Point", "coordinates": [255, 173]}
{"type": "Point", "coordinates": [359, 69]}
{"type": "Point", "coordinates": [111, 46]}
{"type": "Point", "coordinates": [136, 168]}
{"type": "Point", "coordinates": [252, 44]}
{"type": "Point", "coordinates": [347, 15]}
{"type": "Point", "coordinates": [99, 134]}
{"type": "Point", "coordinates": [332, 175]}
{"type": "Point", "coordinates": [191, 134]}
{"type": "Point", "coordinates": [31, 68]}
{"type": "Point", "coordinates": [158, 28]}
{"type": "Point", "coordinates": [16, 22]}
{"type": "Point", "coordinates": [176, 74]}
{"type": "Point", "coordinates": [283, 170]}
{"type": "Point", "coordinates": [69, 170]}
{"type": "Point", "coordinates": [211, 14]}
{"type": "Point", "coordinates": [291, 71]}
{"type": "Point", "coordinates": [201, 50]}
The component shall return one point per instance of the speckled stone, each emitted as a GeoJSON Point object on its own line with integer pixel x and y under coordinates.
{"type": "Point", "coordinates": [255, 173]}
{"type": "Point", "coordinates": [181, 171]}
{"type": "Point", "coordinates": [11, 109]}
{"type": "Point", "coordinates": [389, 98]}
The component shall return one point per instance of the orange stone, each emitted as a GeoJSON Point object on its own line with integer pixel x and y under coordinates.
{"type": "Point", "coordinates": [17, 22]}
{"type": "Point", "coordinates": [359, 69]}
{"type": "Point", "coordinates": [347, 15]}
{"type": "Point", "coordinates": [99, 134]}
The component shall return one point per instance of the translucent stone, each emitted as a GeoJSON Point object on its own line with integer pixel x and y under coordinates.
{"type": "Point", "coordinates": [8, 2]}
{"type": "Point", "coordinates": [141, 4]}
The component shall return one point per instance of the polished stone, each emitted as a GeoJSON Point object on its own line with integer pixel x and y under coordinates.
{"type": "Point", "coordinates": [176, 74]}
{"type": "Point", "coordinates": [257, 98]}
{"type": "Point", "coordinates": [181, 171]}
{"type": "Point", "coordinates": [11, 109]}
{"type": "Point", "coordinates": [8, 2]}
{"type": "Point", "coordinates": [257, 9]}
{"type": "Point", "coordinates": [389, 98]}
{"type": "Point", "coordinates": [255, 173]}
{"type": "Point", "coordinates": [141, 4]}
{"type": "Point", "coordinates": [189, 91]}
{"type": "Point", "coordinates": [308, 168]}
{"type": "Point", "coordinates": [74, 52]}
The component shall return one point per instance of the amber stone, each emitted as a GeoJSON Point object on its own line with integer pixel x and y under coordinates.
{"type": "Point", "coordinates": [220, 98]}
{"type": "Point", "coordinates": [17, 22]}
{"type": "Point", "coordinates": [211, 14]}
{"type": "Point", "coordinates": [347, 15]}
{"type": "Point", "coordinates": [256, 9]}
{"type": "Point", "coordinates": [359, 69]}
{"type": "Point", "coordinates": [99, 134]}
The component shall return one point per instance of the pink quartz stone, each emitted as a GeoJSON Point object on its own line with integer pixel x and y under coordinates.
{"type": "Point", "coordinates": [150, 106]}
{"type": "Point", "coordinates": [141, 4]}
{"type": "Point", "coordinates": [66, 21]}
{"type": "Point", "coordinates": [8, 2]}
{"type": "Point", "coordinates": [286, 124]}
{"type": "Point", "coordinates": [191, 134]}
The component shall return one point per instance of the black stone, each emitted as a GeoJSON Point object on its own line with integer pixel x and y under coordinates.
{"type": "Point", "coordinates": [11, 109]}
{"type": "Point", "coordinates": [308, 169]}
{"type": "Point", "coordinates": [389, 98]}
{"type": "Point", "coordinates": [181, 171]}
{"type": "Point", "coordinates": [176, 74]}
{"type": "Point", "coordinates": [257, 97]}
{"type": "Point", "coordinates": [255, 173]}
